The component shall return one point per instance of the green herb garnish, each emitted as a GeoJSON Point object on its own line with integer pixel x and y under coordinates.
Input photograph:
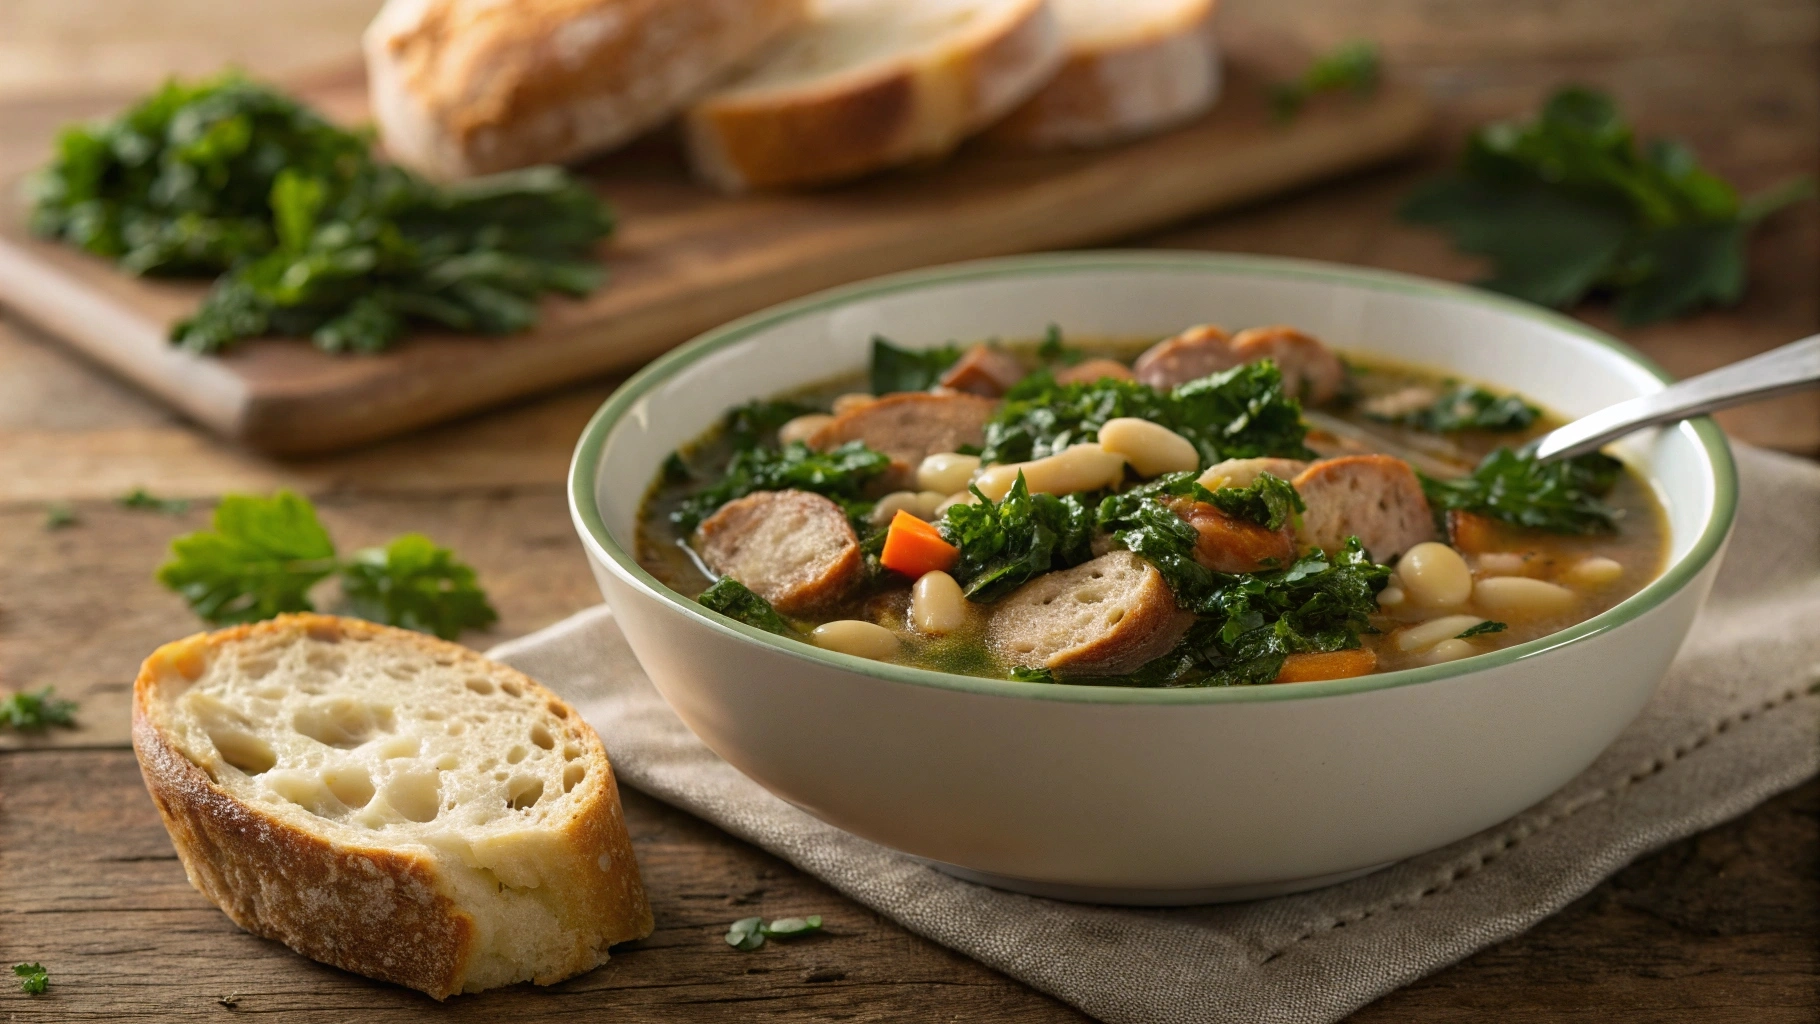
{"type": "Point", "coordinates": [756, 422]}
{"type": "Point", "coordinates": [1006, 543]}
{"type": "Point", "coordinates": [733, 599]}
{"type": "Point", "coordinates": [1562, 496]}
{"type": "Point", "coordinates": [1569, 204]}
{"type": "Point", "coordinates": [1269, 502]}
{"type": "Point", "coordinates": [838, 474]}
{"type": "Point", "coordinates": [1466, 407]}
{"type": "Point", "coordinates": [58, 515]}
{"type": "Point", "coordinates": [903, 369]}
{"type": "Point", "coordinates": [33, 978]}
{"type": "Point", "coordinates": [34, 712]}
{"type": "Point", "coordinates": [262, 557]}
{"type": "Point", "coordinates": [1141, 523]}
{"type": "Point", "coordinates": [144, 500]}
{"type": "Point", "coordinates": [1352, 67]}
{"type": "Point", "coordinates": [1051, 350]}
{"type": "Point", "coordinates": [1028, 674]}
{"type": "Point", "coordinates": [750, 933]}
{"type": "Point", "coordinates": [1241, 413]}
{"type": "Point", "coordinates": [310, 234]}
{"type": "Point", "coordinates": [1482, 629]}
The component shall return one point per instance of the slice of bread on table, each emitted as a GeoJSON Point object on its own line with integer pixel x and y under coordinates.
{"type": "Point", "coordinates": [1133, 67]}
{"type": "Point", "coordinates": [869, 84]}
{"type": "Point", "coordinates": [389, 803]}
{"type": "Point", "coordinates": [465, 87]}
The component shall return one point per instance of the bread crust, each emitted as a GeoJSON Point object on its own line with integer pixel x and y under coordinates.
{"type": "Point", "coordinates": [462, 88]}
{"type": "Point", "coordinates": [1111, 90]}
{"type": "Point", "coordinates": [384, 913]}
{"type": "Point", "coordinates": [848, 125]}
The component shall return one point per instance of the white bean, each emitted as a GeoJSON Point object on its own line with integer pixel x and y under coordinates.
{"type": "Point", "coordinates": [852, 636]}
{"type": "Point", "coordinates": [947, 472]}
{"type": "Point", "coordinates": [891, 504]}
{"type": "Point", "coordinates": [1501, 563]}
{"type": "Point", "coordinates": [927, 502]}
{"type": "Point", "coordinates": [1449, 650]}
{"type": "Point", "coordinates": [1392, 597]}
{"type": "Point", "coordinates": [963, 498]}
{"type": "Point", "coordinates": [1081, 467]}
{"type": "Point", "coordinates": [1428, 634]}
{"type": "Point", "coordinates": [1593, 573]}
{"type": "Point", "coordinates": [802, 427]}
{"type": "Point", "coordinates": [937, 605]}
{"type": "Point", "coordinates": [1435, 576]}
{"type": "Point", "coordinates": [852, 400]}
{"type": "Point", "coordinates": [1519, 597]}
{"type": "Point", "coordinates": [1151, 448]}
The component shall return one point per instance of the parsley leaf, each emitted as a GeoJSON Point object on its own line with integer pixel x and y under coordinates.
{"type": "Point", "coordinates": [1240, 413]}
{"type": "Point", "coordinates": [1562, 496]}
{"type": "Point", "coordinates": [1269, 502]}
{"type": "Point", "coordinates": [1570, 204]}
{"type": "Point", "coordinates": [140, 498]}
{"type": "Point", "coordinates": [838, 474]}
{"type": "Point", "coordinates": [1352, 66]}
{"type": "Point", "coordinates": [413, 583]}
{"type": "Point", "coordinates": [33, 978]}
{"type": "Point", "coordinates": [1466, 407]}
{"type": "Point", "coordinates": [1006, 543]}
{"type": "Point", "coordinates": [261, 558]}
{"type": "Point", "coordinates": [733, 599]}
{"type": "Point", "coordinates": [750, 933]}
{"type": "Point", "coordinates": [1482, 629]}
{"type": "Point", "coordinates": [903, 369]}
{"type": "Point", "coordinates": [31, 712]}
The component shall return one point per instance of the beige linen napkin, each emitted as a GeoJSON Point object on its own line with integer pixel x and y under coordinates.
{"type": "Point", "coordinates": [1736, 721]}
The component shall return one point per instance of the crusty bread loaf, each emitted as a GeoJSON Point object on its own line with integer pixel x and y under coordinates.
{"type": "Point", "coordinates": [463, 87]}
{"type": "Point", "coordinates": [1102, 617]}
{"type": "Point", "coordinates": [1133, 67]}
{"type": "Point", "coordinates": [795, 549]}
{"type": "Point", "coordinates": [389, 803]}
{"type": "Point", "coordinates": [909, 426]}
{"type": "Point", "coordinates": [1376, 498]}
{"type": "Point", "coordinates": [868, 84]}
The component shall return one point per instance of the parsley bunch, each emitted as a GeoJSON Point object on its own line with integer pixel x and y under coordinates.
{"type": "Point", "coordinates": [838, 474]}
{"type": "Point", "coordinates": [1240, 413]}
{"type": "Point", "coordinates": [1006, 543]}
{"type": "Point", "coordinates": [1467, 407]}
{"type": "Point", "coordinates": [311, 235]}
{"type": "Point", "coordinates": [263, 556]}
{"type": "Point", "coordinates": [1569, 204]}
{"type": "Point", "coordinates": [1562, 496]}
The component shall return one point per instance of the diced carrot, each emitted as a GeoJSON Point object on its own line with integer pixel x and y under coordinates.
{"type": "Point", "coordinates": [1306, 668]}
{"type": "Point", "coordinates": [914, 547]}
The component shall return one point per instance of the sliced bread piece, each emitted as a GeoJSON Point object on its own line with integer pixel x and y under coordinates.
{"type": "Point", "coordinates": [1102, 617]}
{"type": "Point", "coordinates": [1133, 67]}
{"type": "Point", "coordinates": [389, 803]}
{"type": "Point", "coordinates": [464, 87]}
{"type": "Point", "coordinates": [869, 84]}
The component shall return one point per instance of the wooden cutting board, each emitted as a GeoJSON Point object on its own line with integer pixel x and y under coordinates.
{"type": "Point", "coordinates": [686, 259]}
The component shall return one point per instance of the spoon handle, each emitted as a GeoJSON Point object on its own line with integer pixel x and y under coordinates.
{"type": "Point", "coordinates": [1780, 371]}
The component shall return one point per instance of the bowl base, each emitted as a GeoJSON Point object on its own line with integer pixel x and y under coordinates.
{"type": "Point", "coordinates": [1150, 897]}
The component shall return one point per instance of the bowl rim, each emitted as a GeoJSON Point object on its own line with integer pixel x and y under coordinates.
{"type": "Point", "coordinates": [585, 512]}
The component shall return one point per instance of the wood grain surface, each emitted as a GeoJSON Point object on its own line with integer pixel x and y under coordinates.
{"type": "Point", "coordinates": [1722, 927]}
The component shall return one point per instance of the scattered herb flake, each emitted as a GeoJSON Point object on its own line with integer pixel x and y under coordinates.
{"type": "Point", "coordinates": [59, 515]}
{"type": "Point", "coordinates": [750, 933]}
{"type": "Point", "coordinates": [1482, 629]}
{"type": "Point", "coordinates": [1351, 67]}
{"type": "Point", "coordinates": [747, 933]}
{"type": "Point", "coordinates": [33, 978]}
{"type": "Point", "coordinates": [144, 500]}
{"type": "Point", "coordinates": [26, 711]}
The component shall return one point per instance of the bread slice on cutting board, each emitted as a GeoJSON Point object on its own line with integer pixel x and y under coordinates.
{"type": "Point", "coordinates": [465, 87]}
{"type": "Point", "coordinates": [389, 803]}
{"type": "Point", "coordinates": [869, 84]}
{"type": "Point", "coordinates": [1133, 67]}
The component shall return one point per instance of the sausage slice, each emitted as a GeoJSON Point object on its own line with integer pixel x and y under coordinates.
{"type": "Point", "coordinates": [1103, 617]}
{"type": "Point", "coordinates": [1190, 355]}
{"type": "Point", "coordinates": [984, 371]}
{"type": "Point", "coordinates": [793, 548]}
{"type": "Point", "coordinates": [909, 426]}
{"type": "Point", "coordinates": [1376, 498]}
{"type": "Point", "coordinates": [1234, 545]}
{"type": "Point", "coordinates": [1311, 370]}
{"type": "Point", "coordinates": [1090, 370]}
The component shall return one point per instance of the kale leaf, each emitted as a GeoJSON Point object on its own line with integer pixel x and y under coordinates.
{"type": "Point", "coordinates": [1467, 407]}
{"type": "Point", "coordinates": [1269, 502]}
{"type": "Point", "coordinates": [1240, 413]}
{"type": "Point", "coordinates": [1482, 629]}
{"type": "Point", "coordinates": [903, 369]}
{"type": "Point", "coordinates": [27, 711]}
{"type": "Point", "coordinates": [733, 599]}
{"type": "Point", "coordinates": [1351, 66]}
{"type": "Point", "coordinates": [1006, 543]}
{"type": "Point", "coordinates": [310, 234]}
{"type": "Point", "coordinates": [1569, 204]}
{"type": "Point", "coordinates": [838, 474]}
{"type": "Point", "coordinates": [1141, 522]}
{"type": "Point", "coordinates": [1562, 496]}
{"type": "Point", "coordinates": [1028, 674]}
{"type": "Point", "coordinates": [755, 423]}
{"type": "Point", "coordinates": [413, 583]}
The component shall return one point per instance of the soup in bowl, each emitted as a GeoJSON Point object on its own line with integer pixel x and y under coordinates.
{"type": "Point", "coordinates": [1149, 578]}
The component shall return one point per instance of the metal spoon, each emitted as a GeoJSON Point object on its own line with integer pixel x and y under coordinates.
{"type": "Point", "coordinates": [1780, 371]}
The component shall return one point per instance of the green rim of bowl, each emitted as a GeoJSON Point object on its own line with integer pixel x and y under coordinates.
{"type": "Point", "coordinates": [586, 513]}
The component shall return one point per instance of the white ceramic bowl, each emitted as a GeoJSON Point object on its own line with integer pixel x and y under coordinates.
{"type": "Point", "coordinates": [1150, 796]}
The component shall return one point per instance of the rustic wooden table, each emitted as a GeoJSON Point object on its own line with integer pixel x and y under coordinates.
{"type": "Point", "coordinates": [1721, 927]}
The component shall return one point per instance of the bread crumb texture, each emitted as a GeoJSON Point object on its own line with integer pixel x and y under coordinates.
{"type": "Point", "coordinates": [389, 803]}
